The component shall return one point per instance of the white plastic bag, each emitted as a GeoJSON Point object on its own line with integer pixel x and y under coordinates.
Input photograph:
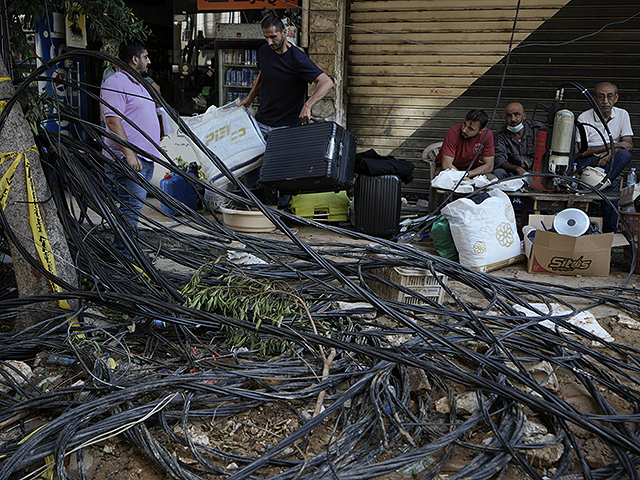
{"type": "Point", "coordinates": [447, 179]}
{"type": "Point", "coordinates": [512, 185]}
{"type": "Point", "coordinates": [167, 123]}
{"type": "Point", "coordinates": [233, 135]}
{"type": "Point", "coordinates": [485, 234]}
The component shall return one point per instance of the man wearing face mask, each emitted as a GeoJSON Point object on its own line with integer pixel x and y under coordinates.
{"type": "Point", "coordinates": [515, 143]}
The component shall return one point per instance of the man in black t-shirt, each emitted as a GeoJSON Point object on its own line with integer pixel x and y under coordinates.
{"type": "Point", "coordinates": [285, 73]}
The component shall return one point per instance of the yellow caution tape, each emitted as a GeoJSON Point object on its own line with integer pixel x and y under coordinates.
{"type": "Point", "coordinates": [7, 178]}
{"type": "Point", "coordinates": [141, 271]}
{"type": "Point", "coordinates": [40, 237]}
{"type": "Point", "coordinates": [111, 363]}
{"type": "Point", "coordinates": [5, 79]}
{"type": "Point", "coordinates": [5, 157]}
{"type": "Point", "coordinates": [27, 437]}
{"type": "Point", "coordinates": [49, 460]}
{"type": "Point", "coordinates": [48, 473]}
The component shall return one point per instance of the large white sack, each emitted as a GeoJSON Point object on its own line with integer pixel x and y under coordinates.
{"type": "Point", "coordinates": [233, 135]}
{"type": "Point", "coordinates": [485, 234]}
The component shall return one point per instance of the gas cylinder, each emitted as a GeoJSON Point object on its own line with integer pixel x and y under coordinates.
{"type": "Point", "coordinates": [563, 127]}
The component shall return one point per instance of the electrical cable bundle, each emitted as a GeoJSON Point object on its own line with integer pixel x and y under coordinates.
{"type": "Point", "coordinates": [144, 366]}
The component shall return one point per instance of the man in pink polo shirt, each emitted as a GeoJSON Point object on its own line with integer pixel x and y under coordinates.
{"type": "Point", "coordinates": [468, 143]}
{"type": "Point", "coordinates": [129, 111]}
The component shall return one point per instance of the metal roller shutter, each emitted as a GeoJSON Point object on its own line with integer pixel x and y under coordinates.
{"type": "Point", "coordinates": [415, 67]}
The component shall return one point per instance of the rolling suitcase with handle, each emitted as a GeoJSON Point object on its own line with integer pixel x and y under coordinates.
{"type": "Point", "coordinates": [316, 157]}
{"type": "Point", "coordinates": [377, 203]}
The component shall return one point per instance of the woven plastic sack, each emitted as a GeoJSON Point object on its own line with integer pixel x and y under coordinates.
{"type": "Point", "coordinates": [485, 234]}
{"type": "Point", "coordinates": [233, 135]}
{"type": "Point", "coordinates": [442, 239]}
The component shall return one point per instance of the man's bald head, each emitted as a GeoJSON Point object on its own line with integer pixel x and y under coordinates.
{"type": "Point", "coordinates": [514, 114]}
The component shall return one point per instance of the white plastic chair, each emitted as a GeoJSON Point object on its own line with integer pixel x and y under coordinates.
{"type": "Point", "coordinates": [429, 155]}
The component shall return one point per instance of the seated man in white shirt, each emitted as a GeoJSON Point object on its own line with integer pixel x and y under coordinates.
{"type": "Point", "coordinates": [599, 151]}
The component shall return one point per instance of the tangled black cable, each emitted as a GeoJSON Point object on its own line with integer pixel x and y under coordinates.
{"type": "Point", "coordinates": [146, 368]}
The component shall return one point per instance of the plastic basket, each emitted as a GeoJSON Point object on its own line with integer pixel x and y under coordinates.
{"type": "Point", "coordinates": [633, 220]}
{"type": "Point", "coordinates": [418, 280]}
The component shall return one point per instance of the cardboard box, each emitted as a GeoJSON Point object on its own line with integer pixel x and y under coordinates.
{"type": "Point", "coordinates": [629, 194]}
{"type": "Point", "coordinates": [588, 255]}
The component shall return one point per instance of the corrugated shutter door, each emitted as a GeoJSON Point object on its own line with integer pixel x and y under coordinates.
{"type": "Point", "coordinates": [416, 67]}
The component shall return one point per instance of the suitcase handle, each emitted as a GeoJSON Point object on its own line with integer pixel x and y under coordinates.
{"type": "Point", "coordinates": [331, 144]}
{"type": "Point", "coordinates": [331, 150]}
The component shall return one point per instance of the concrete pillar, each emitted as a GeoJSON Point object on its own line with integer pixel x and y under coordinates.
{"type": "Point", "coordinates": [327, 48]}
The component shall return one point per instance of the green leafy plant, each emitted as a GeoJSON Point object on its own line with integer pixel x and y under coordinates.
{"type": "Point", "coordinates": [183, 165]}
{"type": "Point", "coordinates": [38, 108]}
{"type": "Point", "coordinates": [111, 19]}
{"type": "Point", "coordinates": [108, 19]}
{"type": "Point", "coordinates": [238, 296]}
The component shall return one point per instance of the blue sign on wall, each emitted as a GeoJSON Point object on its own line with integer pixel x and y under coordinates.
{"type": "Point", "coordinates": [66, 76]}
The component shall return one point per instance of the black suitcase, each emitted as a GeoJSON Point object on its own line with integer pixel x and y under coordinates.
{"type": "Point", "coordinates": [311, 158]}
{"type": "Point", "coordinates": [377, 203]}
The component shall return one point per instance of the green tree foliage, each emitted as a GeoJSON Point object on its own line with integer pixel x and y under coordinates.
{"type": "Point", "coordinates": [108, 19]}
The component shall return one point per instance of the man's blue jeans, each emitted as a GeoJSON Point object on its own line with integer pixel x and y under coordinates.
{"type": "Point", "coordinates": [131, 195]}
{"type": "Point", "coordinates": [621, 160]}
